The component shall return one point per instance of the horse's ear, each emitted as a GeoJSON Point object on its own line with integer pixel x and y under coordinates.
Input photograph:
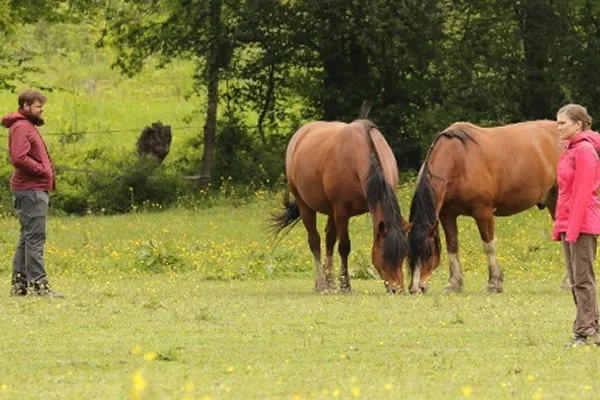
{"type": "Point", "coordinates": [407, 226]}
{"type": "Point", "coordinates": [433, 228]}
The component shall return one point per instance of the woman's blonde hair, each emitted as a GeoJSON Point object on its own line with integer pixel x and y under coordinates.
{"type": "Point", "coordinates": [576, 113]}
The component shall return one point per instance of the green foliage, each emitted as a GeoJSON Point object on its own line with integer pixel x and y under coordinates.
{"type": "Point", "coordinates": [18, 56]}
{"type": "Point", "coordinates": [157, 257]}
{"type": "Point", "coordinates": [130, 184]}
{"type": "Point", "coordinates": [244, 158]}
{"type": "Point", "coordinates": [275, 65]}
{"type": "Point", "coordinates": [6, 202]}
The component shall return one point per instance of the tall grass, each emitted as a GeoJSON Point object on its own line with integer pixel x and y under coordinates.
{"type": "Point", "coordinates": [202, 303]}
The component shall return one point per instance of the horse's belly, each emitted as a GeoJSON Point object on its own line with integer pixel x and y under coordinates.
{"type": "Point", "coordinates": [517, 201]}
{"type": "Point", "coordinates": [317, 201]}
{"type": "Point", "coordinates": [515, 206]}
{"type": "Point", "coordinates": [505, 211]}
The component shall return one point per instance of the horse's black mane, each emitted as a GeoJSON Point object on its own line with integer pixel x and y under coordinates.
{"type": "Point", "coordinates": [456, 131]}
{"type": "Point", "coordinates": [423, 218]}
{"type": "Point", "coordinates": [378, 190]}
{"type": "Point", "coordinates": [422, 208]}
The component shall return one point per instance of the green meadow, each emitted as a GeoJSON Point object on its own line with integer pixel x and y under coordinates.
{"type": "Point", "coordinates": [205, 304]}
{"type": "Point", "coordinates": [199, 301]}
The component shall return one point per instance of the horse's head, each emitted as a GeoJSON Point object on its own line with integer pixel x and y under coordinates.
{"type": "Point", "coordinates": [424, 256]}
{"type": "Point", "coordinates": [390, 248]}
{"type": "Point", "coordinates": [423, 237]}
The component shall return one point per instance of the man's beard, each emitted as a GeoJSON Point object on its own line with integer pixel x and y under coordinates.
{"type": "Point", "coordinates": [37, 121]}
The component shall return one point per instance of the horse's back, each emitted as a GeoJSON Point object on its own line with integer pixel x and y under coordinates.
{"type": "Point", "coordinates": [328, 162]}
{"type": "Point", "coordinates": [309, 137]}
{"type": "Point", "coordinates": [386, 157]}
{"type": "Point", "coordinates": [517, 135]}
{"type": "Point", "coordinates": [512, 166]}
{"type": "Point", "coordinates": [523, 151]}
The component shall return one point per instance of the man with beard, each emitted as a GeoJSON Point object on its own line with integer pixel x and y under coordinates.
{"type": "Point", "coordinates": [30, 182]}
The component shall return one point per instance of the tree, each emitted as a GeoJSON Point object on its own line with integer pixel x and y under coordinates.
{"type": "Point", "coordinates": [542, 27]}
{"type": "Point", "coordinates": [579, 76]}
{"type": "Point", "coordinates": [199, 30]}
{"type": "Point", "coordinates": [379, 50]}
{"type": "Point", "coordinates": [329, 32]}
{"type": "Point", "coordinates": [402, 41]}
{"type": "Point", "coordinates": [260, 80]}
{"type": "Point", "coordinates": [16, 56]}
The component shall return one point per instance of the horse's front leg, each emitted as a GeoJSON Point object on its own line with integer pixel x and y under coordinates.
{"type": "Point", "coordinates": [341, 223]}
{"type": "Point", "coordinates": [485, 224]}
{"type": "Point", "coordinates": [455, 278]}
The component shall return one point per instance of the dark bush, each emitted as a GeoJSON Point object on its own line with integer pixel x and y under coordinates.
{"type": "Point", "coordinates": [242, 157]}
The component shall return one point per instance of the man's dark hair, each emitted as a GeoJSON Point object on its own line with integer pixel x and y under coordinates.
{"type": "Point", "coordinates": [28, 96]}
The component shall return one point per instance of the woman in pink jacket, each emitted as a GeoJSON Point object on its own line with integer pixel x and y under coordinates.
{"type": "Point", "coordinates": [577, 218]}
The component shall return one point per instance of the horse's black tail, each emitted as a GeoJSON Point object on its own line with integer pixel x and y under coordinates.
{"type": "Point", "coordinates": [288, 217]}
{"type": "Point", "coordinates": [380, 191]}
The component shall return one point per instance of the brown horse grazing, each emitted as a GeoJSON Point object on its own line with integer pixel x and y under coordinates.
{"type": "Point", "coordinates": [482, 173]}
{"type": "Point", "coordinates": [342, 170]}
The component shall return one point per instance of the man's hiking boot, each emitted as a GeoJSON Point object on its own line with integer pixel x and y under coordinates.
{"type": "Point", "coordinates": [582, 340]}
{"type": "Point", "coordinates": [19, 286]}
{"type": "Point", "coordinates": [18, 289]}
{"type": "Point", "coordinates": [44, 290]}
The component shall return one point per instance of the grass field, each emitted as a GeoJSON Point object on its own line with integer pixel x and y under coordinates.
{"type": "Point", "coordinates": [201, 304]}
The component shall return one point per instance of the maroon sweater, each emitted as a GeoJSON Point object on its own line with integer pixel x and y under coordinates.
{"type": "Point", "coordinates": [28, 154]}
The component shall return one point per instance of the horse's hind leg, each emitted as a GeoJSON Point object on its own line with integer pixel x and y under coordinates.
{"type": "Point", "coordinates": [341, 223]}
{"type": "Point", "coordinates": [330, 239]}
{"type": "Point", "coordinates": [566, 283]}
{"type": "Point", "coordinates": [485, 223]}
{"type": "Point", "coordinates": [309, 218]}
{"type": "Point", "coordinates": [455, 278]}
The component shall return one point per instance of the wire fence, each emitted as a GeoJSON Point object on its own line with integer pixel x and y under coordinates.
{"type": "Point", "coordinates": [82, 133]}
{"type": "Point", "coordinates": [106, 131]}
{"type": "Point", "coordinates": [4, 133]}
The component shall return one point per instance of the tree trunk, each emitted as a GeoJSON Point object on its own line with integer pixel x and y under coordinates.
{"type": "Point", "coordinates": [269, 96]}
{"type": "Point", "coordinates": [212, 83]}
{"type": "Point", "coordinates": [537, 24]}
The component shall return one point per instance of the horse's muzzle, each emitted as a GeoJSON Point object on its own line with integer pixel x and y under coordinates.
{"type": "Point", "coordinates": [393, 289]}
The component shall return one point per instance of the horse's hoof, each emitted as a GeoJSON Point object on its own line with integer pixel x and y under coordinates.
{"type": "Point", "coordinates": [323, 286]}
{"type": "Point", "coordinates": [345, 289]}
{"type": "Point", "coordinates": [393, 292]}
{"type": "Point", "coordinates": [450, 289]}
{"type": "Point", "coordinates": [495, 289]}
{"type": "Point", "coordinates": [324, 291]}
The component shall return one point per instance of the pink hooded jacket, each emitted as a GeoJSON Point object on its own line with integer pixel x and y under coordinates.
{"type": "Point", "coordinates": [578, 175]}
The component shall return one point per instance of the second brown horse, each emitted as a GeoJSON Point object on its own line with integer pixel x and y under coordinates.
{"type": "Point", "coordinates": [342, 170]}
{"type": "Point", "coordinates": [482, 173]}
